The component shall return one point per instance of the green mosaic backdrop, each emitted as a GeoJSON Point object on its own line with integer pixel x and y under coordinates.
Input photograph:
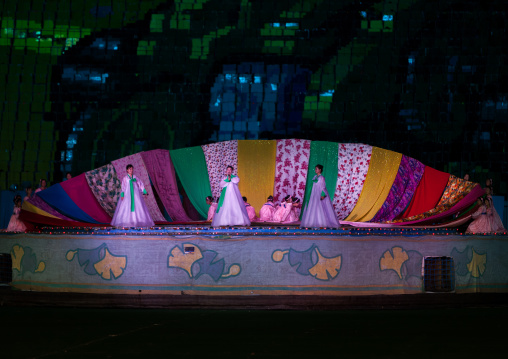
{"type": "Point", "coordinates": [88, 81]}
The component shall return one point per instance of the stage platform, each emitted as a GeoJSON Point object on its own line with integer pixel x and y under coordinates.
{"type": "Point", "coordinates": [200, 261]}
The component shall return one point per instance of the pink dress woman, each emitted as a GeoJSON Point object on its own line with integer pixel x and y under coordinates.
{"type": "Point", "coordinates": [251, 212]}
{"type": "Point", "coordinates": [15, 224]}
{"type": "Point", "coordinates": [211, 211]}
{"type": "Point", "coordinates": [131, 210]}
{"type": "Point", "coordinates": [480, 223]}
{"type": "Point", "coordinates": [266, 212]}
{"type": "Point", "coordinates": [282, 212]}
{"type": "Point", "coordinates": [496, 225]}
{"type": "Point", "coordinates": [294, 213]}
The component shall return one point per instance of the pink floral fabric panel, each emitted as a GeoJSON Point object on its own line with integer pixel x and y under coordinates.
{"type": "Point", "coordinates": [354, 160]}
{"type": "Point", "coordinates": [291, 166]}
{"type": "Point", "coordinates": [140, 171]}
{"type": "Point", "coordinates": [218, 156]}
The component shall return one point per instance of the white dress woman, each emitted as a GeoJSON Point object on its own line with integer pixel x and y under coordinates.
{"type": "Point", "coordinates": [231, 209]}
{"type": "Point", "coordinates": [131, 210]}
{"type": "Point", "coordinates": [319, 213]}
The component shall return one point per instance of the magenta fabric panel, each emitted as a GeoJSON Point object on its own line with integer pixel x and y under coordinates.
{"type": "Point", "coordinates": [162, 173]}
{"type": "Point", "coordinates": [218, 156]}
{"type": "Point", "coordinates": [39, 203]}
{"type": "Point", "coordinates": [291, 167]}
{"type": "Point", "coordinates": [465, 202]}
{"type": "Point", "coordinates": [78, 190]}
{"type": "Point", "coordinates": [140, 171]}
{"type": "Point", "coordinates": [409, 175]}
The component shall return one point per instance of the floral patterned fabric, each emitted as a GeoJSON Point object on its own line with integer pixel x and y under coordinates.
{"type": "Point", "coordinates": [291, 166]}
{"type": "Point", "coordinates": [455, 190]}
{"type": "Point", "coordinates": [354, 160]}
{"type": "Point", "coordinates": [105, 186]}
{"type": "Point", "coordinates": [218, 156]}
{"type": "Point", "coordinates": [409, 175]}
{"type": "Point", "coordinates": [140, 171]}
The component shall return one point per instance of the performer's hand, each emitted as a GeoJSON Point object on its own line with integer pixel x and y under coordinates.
{"type": "Point", "coordinates": [322, 198]}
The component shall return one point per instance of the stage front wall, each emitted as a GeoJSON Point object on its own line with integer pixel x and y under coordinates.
{"type": "Point", "coordinates": [254, 265]}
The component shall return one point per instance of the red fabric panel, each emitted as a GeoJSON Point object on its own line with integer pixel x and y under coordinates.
{"type": "Point", "coordinates": [78, 190]}
{"type": "Point", "coordinates": [428, 193]}
{"type": "Point", "coordinates": [162, 174]}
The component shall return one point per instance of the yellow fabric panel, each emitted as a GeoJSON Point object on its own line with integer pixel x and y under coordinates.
{"type": "Point", "coordinates": [31, 208]}
{"type": "Point", "coordinates": [256, 169]}
{"type": "Point", "coordinates": [383, 169]}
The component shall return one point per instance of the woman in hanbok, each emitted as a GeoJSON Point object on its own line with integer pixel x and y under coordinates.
{"type": "Point", "coordinates": [213, 207]}
{"type": "Point", "coordinates": [28, 191]}
{"type": "Point", "coordinates": [131, 210]}
{"type": "Point", "coordinates": [42, 185]}
{"type": "Point", "coordinates": [480, 223]}
{"type": "Point", "coordinates": [319, 212]}
{"type": "Point", "coordinates": [267, 210]}
{"type": "Point", "coordinates": [294, 214]}
{"type": "Point", "coordinates": [231, 209]}
{"type": "Point", "coordinates": [496, 224]}
{"type": "Point", "coordinates": [251, 211]}
{"type": "Point", "coordinates": [15, 224]}
{"type": "Point", "coordinates": [283, 210]}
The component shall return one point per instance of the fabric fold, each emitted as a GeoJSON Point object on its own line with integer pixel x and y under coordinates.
{"type": "Point", "coordinates": [383, 168]}
{"type": "Point", "coordinates": [428, 193]}
{"type": "Point", "coordinates": [39, 204]}
{"type": "Point", "coordinates": [105, 186]}
{"type": "Point", "coordinates": [403, 188]}
{"type": "Point", "coordinates": [27, 206]}
{"type": "Point", "coordinates": [190, 166]}
{"type": "Point", "coordinates": [163, 177]}
{"type": "Point", "coordinates": [455, 190]}
{"type": "Point", "coordinates": [80, 193]}
{"type": "Point", "coordinates": [56, 197]}
{"type": "Point", "coordinates": [256, 169]}
{"type": "Point", "coordinates": [460, 206]}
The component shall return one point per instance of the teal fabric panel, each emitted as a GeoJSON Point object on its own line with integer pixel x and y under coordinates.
{"type": "Point", "coordinates": [190, 167]}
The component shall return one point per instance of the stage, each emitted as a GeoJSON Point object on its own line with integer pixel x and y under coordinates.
{"type": "Point", "coordinates": [196, 260]}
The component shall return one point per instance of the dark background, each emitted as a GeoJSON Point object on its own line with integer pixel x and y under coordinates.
{"type": "Point", "coordinates": [86, 82]}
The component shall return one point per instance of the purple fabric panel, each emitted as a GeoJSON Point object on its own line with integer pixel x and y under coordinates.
{"type": "Point", "coordinates": [162, 174]}
{"type": "Point", "coordinates": [465, 202]}
{"type": "Point", "coordinates": [39, 203]}
{"type": "Point", "coordinates": [414, 179]}
{"type": "Point", "coordinates": [140, 171]}
{"type": "Point", "coordinates": [409, 175]}
{"type": "Point", "coordinates": [78, 190]}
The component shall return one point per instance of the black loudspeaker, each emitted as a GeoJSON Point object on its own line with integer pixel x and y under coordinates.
{"type": "Point", "coordinates": [439, 274]}
{"type": "Point", "coordinates": [5, 268]}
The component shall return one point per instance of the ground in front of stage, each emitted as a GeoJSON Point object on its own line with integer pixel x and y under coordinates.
{"type": "Point", "coordinates": [42, 332]}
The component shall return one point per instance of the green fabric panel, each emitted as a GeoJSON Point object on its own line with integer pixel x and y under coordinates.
{"type": "Point", "coordinates": [325, 154]}
{"type": "Point", "coordinates": [190, 167]}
